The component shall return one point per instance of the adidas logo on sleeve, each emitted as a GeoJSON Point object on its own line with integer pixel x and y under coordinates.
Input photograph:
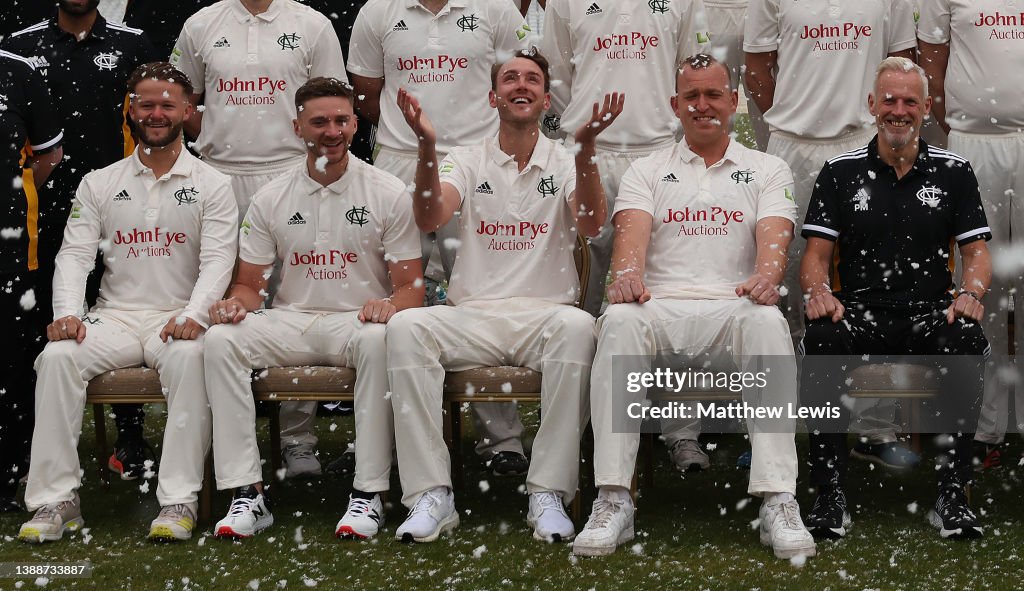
{"type": "Point", "coordinates": [296, 220]}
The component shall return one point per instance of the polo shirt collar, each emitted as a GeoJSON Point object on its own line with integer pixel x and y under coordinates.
{"type": "Point", "coordinates": [308, 186]}
{"type": "Point", "coordinates": [922, 164]}
{"type": "Point", "coordinates": [451, 4]}
{"type": "Point", "coordinates": [98, 30]}
{"type": "Point", "coordinates": [687, 155]}
{"type": "Point", "coordinates": [182, 166]}
{"type": "Point", "coordinates": [541, 153]}
{"type": "Point", "coordinates": [242, 14]}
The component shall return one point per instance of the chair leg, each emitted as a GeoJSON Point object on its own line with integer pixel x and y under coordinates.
{"type": "Point", "coordinates": [647, 440]}
{"type": "Point", "coordinates": [576, 507]}
{"type": "Point", "coordinates": [206, 493]}
{"type": "Point", "coordinates": [915, 426]}
{"type": "Point", "coordinates": [275, 437]}
{"type": "Point", "coordinates": [100, 424]}
{"type": "Point", "coordinates": [458, 472]}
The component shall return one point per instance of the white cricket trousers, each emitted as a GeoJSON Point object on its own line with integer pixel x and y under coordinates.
{"type": "Point", "coordinates": [246, 179]}
{"type": "Point", "coordinates": [498, 424]}
{"type": "Point", "coordinates": [998, 162]}
{"type": "Point", "coordinates": [277, 338]}
{"type": "Point", "coordinates": [638, 332]}
{"type": "Point", "coordinates": [554, 339]}
{"type": "Point", "coordinates": [118, 339]}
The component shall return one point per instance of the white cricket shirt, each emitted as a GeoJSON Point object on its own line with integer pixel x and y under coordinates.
{"type": "Point", "coordinates": [248, 69]}
{"type": "Point", "coordinates": [630, 46]}
{"type": "Point", "coordinates": [985, 74]}
{"type": "Point", "coordinates": [444, 60]}
{"type": "Point", "coordinates": [703, 242]}
{"type": "Point", "coordinates": [828, 51]}
{"type": "Point", "coordinates": [167, 243]}
{"type": "Point", "coordinates": [516, 231]}
{"type": "Point", "coordinates": [334, 241]}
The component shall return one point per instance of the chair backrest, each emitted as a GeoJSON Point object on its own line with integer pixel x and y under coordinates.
{"type": "Point", "coordinates": [581, 254]}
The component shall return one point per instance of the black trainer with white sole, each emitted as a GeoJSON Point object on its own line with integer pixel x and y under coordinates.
{"type": "Point", "coordinates": [829, 517]}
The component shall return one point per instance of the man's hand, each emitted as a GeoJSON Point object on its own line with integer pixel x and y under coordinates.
{"type": "Point", "coordinates": [181, 328]}
{"type": "Point", "coordinates": [68, 327]}
{"type": "Point", "coordinates": [416, 118]}
{"type": "Point", "coordinates": [626, 288]}
{"type": "Point", "coordinates": [966, 305]}
{"type": "Point", "coordinates": [760, 290]}
{"type": "Point", "coordinates": [378, 311]}
{"type": "Point", "coordinates": [228, 311]}
{"type": "Point", "coordinates": [600, 119]}
{"type": "Point", "coordinates": [825, 305]}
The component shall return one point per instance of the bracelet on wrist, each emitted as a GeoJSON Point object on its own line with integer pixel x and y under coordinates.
{"type": "Point", "coordinates": [970, 293]}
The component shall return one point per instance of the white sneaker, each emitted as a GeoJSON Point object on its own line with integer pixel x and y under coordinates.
{"type": "Point", "coordinates": [175, 522]}
{"type": "Point", "coordinates": [300, 461]}
{"type": "Point", "coordinates": [784, 531]}
{"type": "Point", "coordinates": [548, 519]}
{"type": "Point", "coordinates": [248, 515]}
{"type": "Point", "coordinates": [51, 521]}
{"type": "Point", "coordinates": [610, 524]}
{"type": "Point", "coordinates": [362, 519]}
{"type": "Point", "coordinates": [432, 515]}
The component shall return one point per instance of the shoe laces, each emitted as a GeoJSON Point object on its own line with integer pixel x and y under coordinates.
{"type": "Point", "coordinates": [791, 515]}
{"type": "Point", "coordinates": [604, 511]}
{"type": "Point", "coordinates": [426, 501]}
{"type": "Point", "coordinates": [175, 512]}
{"type": "Point", "coordinates": [48, 511]}
{"type": "Point", "coordinates": [953, 500]}
{"type": "Point", "coordinates": [299, 451]}
{"type": "Point", "coordinates": [240, 506]}
{"type": "Point", "coordinates": [548, 500]}
{"type": "Point", "coordinates": [358, 506]}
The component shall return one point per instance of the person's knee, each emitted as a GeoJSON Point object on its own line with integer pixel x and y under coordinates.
{"type": "Point", "coordinates": [619, 318]}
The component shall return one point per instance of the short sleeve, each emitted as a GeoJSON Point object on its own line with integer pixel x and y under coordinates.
{"type": "Point", "coordinates": [761, 31]}
{"type": "Point", "coordinates": [185, 57]}
{"type": "Point", "coordinates": [635, 192]}
{"type": "Point", "coordinates": [366, 49]}
{"type": "Point", "coordinates": [511, 32]}
{"type": "Point", "coordinates": [256, 242]}
{"type": "Point", "coordinates": [902, 29]}
{"type": "Point", "coordinates": [327, 57]}
{"type": "Point", "coordinates": [453, 170]}
{"type": "Point", "coordinates": [933, 25]}
{"type": "Point", "coordinates": [401, 236]}
{"type": "Point", "coordinates": [970, 223]}
{"type": "Point", "coordinates": [822, 219]}
{"type": "Point", "coordinates": [44, 130]}
{"type": "Point", "coordinates": [777, 196]}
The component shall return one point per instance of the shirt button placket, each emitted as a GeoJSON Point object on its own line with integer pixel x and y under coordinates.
{"type": "Point", "coordinates": [252, 42]}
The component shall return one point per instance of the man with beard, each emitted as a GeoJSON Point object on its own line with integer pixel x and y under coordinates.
{"type": "Point", "coordinates": [344, 234]}
{"type": "Point", "coordinates": [521, 199]}
{"type": "Point", "coordinates": [31, 139]}
{"type": "Point", "coordinates": [888, 214]}
{"type": "Point", "coordinates": [167, 225]}
{"type": "Point", "coordinates": [86, 61]}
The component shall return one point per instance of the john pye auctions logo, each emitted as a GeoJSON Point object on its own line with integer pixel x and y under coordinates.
{"type": "Point", "coordinates": [441, 68]}
{"type": "Point", "coordinates": [712, 221]}
{"type": "Point", "coordinates": [625, 46]}
{"type": "Point", "coordinates": [522, 234]}
{"type": "Point", "coordinates": [262, 90]}
{"type": "Point", "coordinates": [157, 242]}
{"type": "Point", "coordinates": [338, 259]}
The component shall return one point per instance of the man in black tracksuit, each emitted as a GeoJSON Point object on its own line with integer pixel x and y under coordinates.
{"type": "Point", "coordinates": [892, 211]}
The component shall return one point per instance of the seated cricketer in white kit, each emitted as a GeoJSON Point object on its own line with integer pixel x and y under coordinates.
{"type": "Point", "coordinates": [688, 278]}
{"type": "Point", "coordinates": [167, 224]}
{"type": "Point", "coordinates": [246, 59]}
{"type": "Point", "coordinates": [521, 201]}
{"type": "Point", "coordinates": [350, 253]}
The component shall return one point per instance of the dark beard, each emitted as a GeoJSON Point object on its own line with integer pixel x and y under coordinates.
{"type": "Point", "coordinates": [174, 135]}
{"type": "Point", "coordinates": [78, 11]}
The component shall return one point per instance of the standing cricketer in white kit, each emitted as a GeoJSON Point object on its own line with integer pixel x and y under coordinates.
{"type": "Point", "coordinates": [521, 201]}
{"type": "Point", "coordinates": [810, 63]}
{"type": "Point", "coordinates": [344, 233]}
{"type": "Point", "coordinates": [973, 53]}
{"type": "Point", "coordinates": [246, 59]}
{"type": "Point", "coordinates": [442, 52]}
{"type": "Point", "coordinates": [701, 231]}
{"type": "Point", "coordinates": [598, 46]}
{"type": "Point", "coordinates": [167, 225]}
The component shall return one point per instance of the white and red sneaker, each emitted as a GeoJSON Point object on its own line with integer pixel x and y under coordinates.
{"type": "Point", "coordinates": [362, 520]}
{"type": "Point", "coordinates": [248, 515]}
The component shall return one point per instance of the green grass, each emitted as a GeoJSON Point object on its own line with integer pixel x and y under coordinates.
{"type": "Point", "coordinates": [692, 533]}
